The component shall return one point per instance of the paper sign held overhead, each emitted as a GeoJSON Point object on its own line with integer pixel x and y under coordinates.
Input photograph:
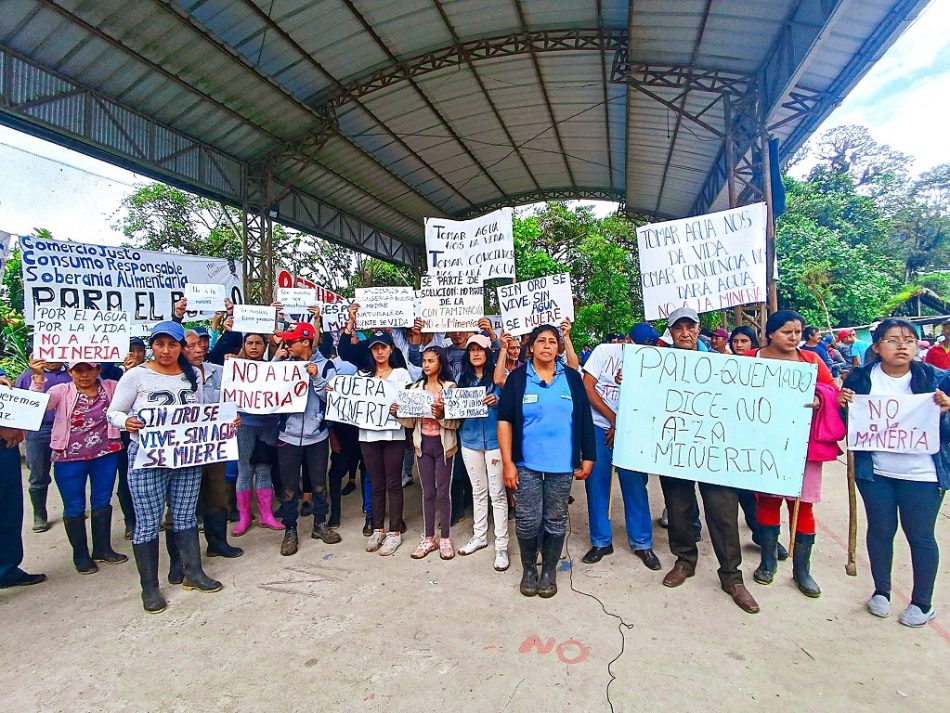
{"type": "Point", "coordinates": [729, 420]}
{"type": "Point", "coordinates": [254, 318]}
{"type": "Point", "coordinates": [186, 436]}
{"type": "Point", "coordinates": [20, 408]}
{"type": "Point", "coordinates": [385, 307]}
{"type": "Point", "coordinates": [894, 424]}
{"type": "Point", "coordinates": [482, 247]}
{"type": "Point", "coordinates": [66, 334]}
{"type": "Point", "coordinates": [205, 297]}
{"type": "Point", "coordinates": [296, 300]}
{"type": "Point", "coordinates": [451, 303]}
{"type": "Point", "coordinates": [529, 304]}
{"type": "Point", "coordinates": [362, 401]}
{"type": "Point", "coordinates": [707, 262]}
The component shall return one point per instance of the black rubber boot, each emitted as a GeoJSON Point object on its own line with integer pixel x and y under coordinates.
{"type": "Point", "coordinates": [780, 548]}
{"type": "Point", "coordinates": [216, 533]}
{"type": "Point", "coordinates": [146, 560]}
{"type": "Point", "coordinates": [102, 538]}
{"type": "Point", "coordinates": [176, 574]}
{"type": "Point", "coordinates": [768, 540]}
{"type": "Point", "coordinates": [190, 552]}
{"type": "Point", "coordinates": [40, 516]}
{"type": "Point", "coordinates": [550, 556]}
{"type": "Point", "coordinates": [529, 580]}
{"type": "Point", "coordinates": [336, 496]}
{"type": "Point", "coordinates": [801, 564]}
{"type": "Point", "coordinates": [76, 533]}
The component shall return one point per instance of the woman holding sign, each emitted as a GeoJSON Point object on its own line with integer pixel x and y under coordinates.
{"type": "Point", "coordinates": [435, 442]}
{"type": "Point", "coordinates": [546, 436]}
{"type": "Point", "coordinates": [168, 380]}
{"type": "Point", "coordinates": [910, 485]}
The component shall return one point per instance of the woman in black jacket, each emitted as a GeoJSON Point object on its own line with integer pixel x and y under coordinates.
{"type": "Point", "coordinates": [546, 436]}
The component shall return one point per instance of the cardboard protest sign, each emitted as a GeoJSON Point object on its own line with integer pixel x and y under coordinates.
{"type": "Point", "coordinates": [415, 403]}
{"type": "Point", "coordinates": [296, 300]}
{"type": "Point", "coordinates": [67, 334]}
{"type": "Point", "coordinates": [465, 403]}
{"type": "Point", "coordinates": [481, 247]}
{"type": "Point", "coordinates": [254, 318]}
{"type": "Point", "coordinates": [333, 315]}
{"type": "Point", "coordinates": [143, 283]}
{"type": "Point", "coordinates": [729, 420]}
{"type": "Point", "coordinates": [707, 262]}
{"type": "Point", "coordinates": [20, 408]}
{"type": "Point", "coordinates": [187, 435]}
{"type": "Point", "coordinates": [451, 303]}
{"type": "Point", "coordinates": [385, 307]}
{"type": "Point", "coordinates": [894, 424]}
{"type": "Point", "coordinates": [265, 386]}
{"type": "Point", "coordinates": [362, 401]}
{"type": "Point", "coordinates": [529, 304]}
{"type": "Point", "coordinates": [205, 298]}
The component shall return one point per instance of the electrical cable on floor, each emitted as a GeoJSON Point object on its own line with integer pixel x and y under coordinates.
{"type": "Point", "coordinates": [621, 625]}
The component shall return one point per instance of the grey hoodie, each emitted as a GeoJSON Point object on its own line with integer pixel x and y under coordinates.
{"type": "Point", "coordinates": [304, 429]}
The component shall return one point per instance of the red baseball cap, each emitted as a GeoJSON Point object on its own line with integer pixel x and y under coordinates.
{"type": "Point", "coordinates": [842, 333]}
{"type": "Point", "coordinates": [301, 330]}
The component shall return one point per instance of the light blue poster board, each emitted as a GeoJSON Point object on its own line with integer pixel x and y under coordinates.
{"type": "Point", "coordinates": [731, 420]}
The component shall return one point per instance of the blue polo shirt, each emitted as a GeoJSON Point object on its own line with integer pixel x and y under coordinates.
{"type": "Point", "coordinates": [548, 417]}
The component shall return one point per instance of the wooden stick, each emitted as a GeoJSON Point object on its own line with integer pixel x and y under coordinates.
{"type": "Point", "coordinates": [794, 528]}
{"type": "Point", "coordinates": [851, 567]}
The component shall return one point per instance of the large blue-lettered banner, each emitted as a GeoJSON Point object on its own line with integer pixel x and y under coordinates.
{"type": "Point", "coordinates": [730, 420]}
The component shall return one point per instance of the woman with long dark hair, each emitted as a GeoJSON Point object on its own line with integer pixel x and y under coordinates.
{"type": "Point", "coordinates": [743, 339]}
{"type": "Point", "coordinates": [546, 437]}
{"type": "Point", "coordinates": [167, 380]}
{"type": "Point", "coordinates": [479, 439]}
{"type": "Point", "coordinates": [905, 485]}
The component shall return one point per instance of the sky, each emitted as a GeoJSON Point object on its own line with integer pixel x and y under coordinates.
{"type": "Point", "coordinates": [904, 101]}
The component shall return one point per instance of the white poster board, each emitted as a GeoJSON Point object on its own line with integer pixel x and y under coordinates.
{"type": "Point", "coordinates": [254, 318]}
{"type": "Point", "coordinates": [205, 298]}
{"type": "Point", "coordinates": [296, 300]}
{"type": "Point", "coordinates": [21, 408]}
{"type": "Point", "coordinates": [362, 401]}
{"type": "Point", "coordinates": [729, 420]}
{"type": "Point", "coordinates": [414, 403]}
{"type": "Point", "coordinates": [333, 315]}
{"type": "Point", "coordinates": [186, 435]}
{"type": "Point", "coordinates": [529, 304]}
{"type": "Point", "coordinates": [66, 334]}
{"type": "Point", "coordinates": [264, 387]}
{"type": "Point", "coordinates": [451, 303]}
{"type": "Point", "coordinates": [465, 403]}
{"type": "Point", "coordinates": [894, 424]}
{"type": "Point", "coordinates": [385, 307]}
{"type": "Point", "coordinates": [708, 262]}
{"type": "Point", "coordinates": [482, 247]}
{"type": "Point", "coordinates": [146, 284]}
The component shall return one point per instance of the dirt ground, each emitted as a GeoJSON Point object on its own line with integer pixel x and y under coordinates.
{"type": "Point", "coordinates": [334, 628]}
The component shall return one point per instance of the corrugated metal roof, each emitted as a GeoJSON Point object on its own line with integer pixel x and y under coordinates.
{"type": "Point", "coordinates": [442, 106]}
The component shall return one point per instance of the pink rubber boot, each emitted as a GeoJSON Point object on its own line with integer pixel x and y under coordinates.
{"type": "Point", "coordinates": [244, 512]}
{"type": "Point", "coordinates": [265, 504]}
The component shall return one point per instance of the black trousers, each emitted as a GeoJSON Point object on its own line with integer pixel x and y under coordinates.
{"type": "Point", "coordinates": [292, 459]}
{"type": "Point", "coordinates": [722, 512]}
{"type": "Point", "coordinates": [213, 495]}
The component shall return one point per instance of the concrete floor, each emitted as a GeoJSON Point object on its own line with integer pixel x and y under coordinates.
{"type": "Point", "coordinates": [334, 628]}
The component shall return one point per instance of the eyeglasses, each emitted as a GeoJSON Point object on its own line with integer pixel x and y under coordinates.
{"type": "Point", "coordinates": [891, 342]}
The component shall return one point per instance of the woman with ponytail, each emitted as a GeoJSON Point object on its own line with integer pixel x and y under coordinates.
{"type": "Point", "coordinates": [167, 380]}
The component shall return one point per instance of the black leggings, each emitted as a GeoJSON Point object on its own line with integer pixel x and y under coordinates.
{"type": "Point", "coordinates": [384, 462]}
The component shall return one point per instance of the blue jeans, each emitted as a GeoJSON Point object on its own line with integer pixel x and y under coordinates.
{"type": "Point", "coordinates": [541, 502]}
{"type": "Point", "coordinates": [918, 504]}
{"type": "Point", "coordinates": [636, 501]}
{"type": "Point", "coordinates": [38, 454]}
{"type": "Point", "coordinates": [71, 477]}
{"type": "Point", "coordinates": [11, 515]}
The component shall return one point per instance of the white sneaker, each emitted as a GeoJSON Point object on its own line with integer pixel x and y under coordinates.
{"type": "Point", "coordinates": [375, 540]}
{"type": "Point", "coordinates": [390, 544]}
{"type": "Point", "coordinates": [501, 560]}
{"type": "Point", "coordinates": [915, 618]}
{"type": "Point", "coordinates": [879, 605]}
{"type": "Point", "coordinates": [473, 546]}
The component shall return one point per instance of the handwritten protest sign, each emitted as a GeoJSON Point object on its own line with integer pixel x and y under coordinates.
{"type": "Point", "coordinates": [729, 420]}
{"type": "Point", "coordinates": [415, 403]}
{"type": "Point", "coordinates": [296, 300]}
{"type": "Point", "coordinates": [286, 279]}
{"type": "Point", "coordinates": [20, 408]}
{"type": "Point", "coordinates": [145, 284]}
{"type": "Point", "coordinates": [254, 318]}
{"type": "Point", "coordinates": [362, 401]}
{"type": "Point", "coordinates": [895, 424]}
{"type": "Point", "coordinates": [451, 303]}
{"type": "Point", "coordinates": [188, 435]}
{"type": "Point", "coordinates": [204, 297]}
{"type": "Point", "coordinates": [481, 247]}
{"type": "Point", "coordinates": [265, 386]}
{"type": "Point", "coordinates": [333, 315]}
{"type": "Point", "coordinates": [543, 300]}
{"type": "Point", "coordinates": [385, 307]}
{"type": "Point", "coordinates": [707, 262]}
{"type": "Point", "coordinates": [465, 403]}
{"type": "Point", "coordinates": [66, 334]}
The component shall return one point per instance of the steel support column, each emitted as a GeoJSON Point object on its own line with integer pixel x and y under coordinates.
{"type": "Point", "coordinates": [258, 240]}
